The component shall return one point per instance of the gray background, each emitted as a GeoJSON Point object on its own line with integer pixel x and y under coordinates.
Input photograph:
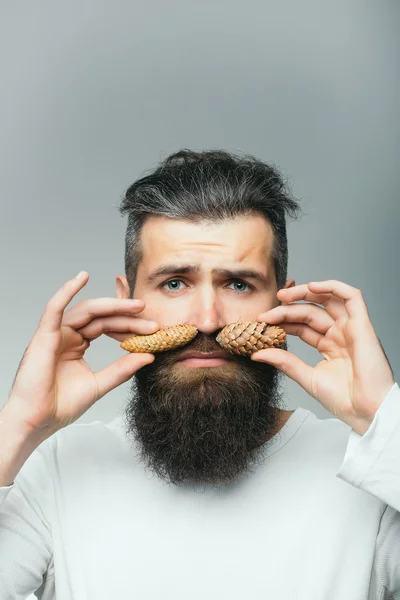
{"type": "Point", "coordinates": [94, 93]}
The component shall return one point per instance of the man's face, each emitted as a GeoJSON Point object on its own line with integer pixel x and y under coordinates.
{"type": "Point", "coordinates": [204, 419]}
{"type": "Point", "coordinates": [208, 299]}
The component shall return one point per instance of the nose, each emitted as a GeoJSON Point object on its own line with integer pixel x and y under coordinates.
{"type": "Point", "coordinates": [207, 313]}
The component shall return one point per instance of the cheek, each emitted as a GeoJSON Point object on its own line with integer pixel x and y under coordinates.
{"type": "Point", "coordinates": [239, 309]}
{"type": "Point", "coordinates": [164, 310]}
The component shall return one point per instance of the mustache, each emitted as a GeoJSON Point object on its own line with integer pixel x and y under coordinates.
{"type": "Point", "coordinates": [201, 343]}
{"type": "Point", "coordinates": [207, 343]}
{"type": "Point", "coordinates": [242, 367]}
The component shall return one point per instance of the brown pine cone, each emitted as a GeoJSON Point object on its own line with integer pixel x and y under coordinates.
{"type": "Point", "coordinates": [250, 336]}
{"type": "Point", "coordinates": [167, 338]}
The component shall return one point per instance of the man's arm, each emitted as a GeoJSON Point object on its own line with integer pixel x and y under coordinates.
{"type": "Point", "coordinates": [53, 387]}
{"type": "Point", "coordinates": [25, 535]}
{"type": "Point", "coordinates": [372, 463]}
{"type": "Point", "coordinates": [355, 383]}
{"type": "Point", "coordinates": [17, 443]}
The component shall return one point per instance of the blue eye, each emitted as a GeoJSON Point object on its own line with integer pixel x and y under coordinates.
{"type": "Point", "coordinates": [241, 283]}
{"type": "Point", "coordinates": [174, 288]}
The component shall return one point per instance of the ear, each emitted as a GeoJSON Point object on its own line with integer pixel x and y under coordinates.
{"type": "Point", "coordinates": [122, 286]}
{"type": "Point", "coordinates": [289, 283]}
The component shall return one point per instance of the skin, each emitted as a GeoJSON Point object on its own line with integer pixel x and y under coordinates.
{"type": "Point", "coordinates": [54, 385]}
{"type": "Point", "coordinates": [355, 375]}
{"type": "Point", "coordinates": [205, 299]}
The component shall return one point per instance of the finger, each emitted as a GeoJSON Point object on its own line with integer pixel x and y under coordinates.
{"type": "Point", "coordinates": [126, 325]}
{"type": "Point", "coordinates": [310, 314]}
{"type": "Point", "coordinates": [289, 364]}
{"type": "Point", "coordinates": [351, 296]}
{"type": "Point", "coordinates": [81, 314]}
{"type": "Point", "coordinates": [120, 371]}
{"type": "Point", "coordinates": [334, 306]}
{"type": "Point", "coordinates": [305, 333]}
{"type": "Point", "coordinates": [54, 311]}
{"type": "Point", "coordinates": [119, 337]}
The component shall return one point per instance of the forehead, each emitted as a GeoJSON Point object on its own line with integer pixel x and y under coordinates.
{"type": "Point", "coordinates": [243, 240]}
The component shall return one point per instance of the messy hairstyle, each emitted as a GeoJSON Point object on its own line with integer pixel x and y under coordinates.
{"type": "Point", "coordinates": [209, 186]}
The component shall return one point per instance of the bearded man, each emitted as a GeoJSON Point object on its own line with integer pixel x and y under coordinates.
{"type": "Point", "coordinates": [206, 486]}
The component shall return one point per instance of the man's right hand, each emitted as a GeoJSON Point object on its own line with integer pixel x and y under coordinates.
{"type": "Point", "coordinates": [54, 385]}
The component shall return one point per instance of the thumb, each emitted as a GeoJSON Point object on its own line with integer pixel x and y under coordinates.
{"type": "Point", "coordinates": [288, 363]}
{"type": "Point", "coordinates": [121, 370]}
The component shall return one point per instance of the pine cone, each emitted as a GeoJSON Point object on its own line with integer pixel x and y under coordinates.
{"type": "Point", "coordinates": [250, 336]}
{"type": "Point", "coordinates": [168, 338]}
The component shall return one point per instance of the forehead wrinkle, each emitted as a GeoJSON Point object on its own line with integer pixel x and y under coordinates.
{"type": "Point", "coordinates": [237, 245]}
{"type": "Point", "coordinates": [189, 243]}
{"type": "Point", "coordinates": [246, 253]}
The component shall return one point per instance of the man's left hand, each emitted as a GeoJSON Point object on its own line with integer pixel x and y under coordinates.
{"type": "Point", "coordinates": [355, 375]}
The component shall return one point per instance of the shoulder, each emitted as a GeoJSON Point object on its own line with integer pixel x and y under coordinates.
{"type": "Point", "coordinates": [308, 437]}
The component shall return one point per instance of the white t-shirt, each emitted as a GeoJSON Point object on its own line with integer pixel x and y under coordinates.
{"type": "Point", "coordinates": [318, 520]}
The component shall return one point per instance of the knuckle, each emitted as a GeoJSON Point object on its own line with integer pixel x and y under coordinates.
{"type": "Point", "coordinates": [90, 331]}
{"type": "Point", "coordinates": [309, 320]}
{"type": "Point", "coordinates": [103, 306]}
{"type": "Point", "coordinates": [301, 329]}
{"type": "Point", "coordinates": [85, 344]}
{"type": "Point", "coordinates": [50, 306]}
{"type": "Point", "coordinates": [42, 322]}
{"type": "Point", "coordinates": [84, 305]}
{"type": "Point", "coordinates": [359, 295]}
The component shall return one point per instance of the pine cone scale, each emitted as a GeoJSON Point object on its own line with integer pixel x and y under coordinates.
{"type": "Point", "coordinates": [245, 338]}
{"type": "Point", "coordinates": [164, 339]}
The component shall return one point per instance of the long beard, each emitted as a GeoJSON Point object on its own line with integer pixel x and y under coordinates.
{"type": "Point", "coordinates": [207, 424]}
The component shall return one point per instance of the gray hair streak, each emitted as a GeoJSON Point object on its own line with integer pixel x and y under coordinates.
{"type": "Point", "coordinates": [209, 186]}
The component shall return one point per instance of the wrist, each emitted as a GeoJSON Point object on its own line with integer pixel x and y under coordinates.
{"type": "Point", "coordinates": [17, 443]}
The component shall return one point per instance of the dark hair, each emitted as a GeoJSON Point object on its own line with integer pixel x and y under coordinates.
{"type": "Point", "coordinates": [209, 186]}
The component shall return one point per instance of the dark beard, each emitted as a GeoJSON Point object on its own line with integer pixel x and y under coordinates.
{"type": "Point", "coordinates": [207, 424]}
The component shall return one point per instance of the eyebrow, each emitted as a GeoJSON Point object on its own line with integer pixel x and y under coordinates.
{"type": "Point", "coordinates": [195, 269]}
